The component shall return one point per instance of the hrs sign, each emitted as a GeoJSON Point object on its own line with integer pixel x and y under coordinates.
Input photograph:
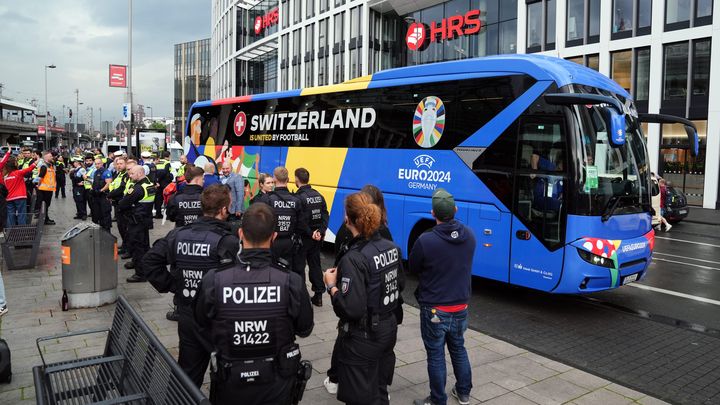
{"type": "Point", "coordinates": [420, 35]}
{"type": "Point", "coordinates": [266, 21]}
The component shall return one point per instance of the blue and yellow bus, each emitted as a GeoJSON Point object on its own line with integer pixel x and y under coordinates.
{"type": "Point", "coordinates": [546, 160]}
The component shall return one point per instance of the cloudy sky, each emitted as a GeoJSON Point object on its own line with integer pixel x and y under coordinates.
{"type": "Point", "coordinates": [82, 37]}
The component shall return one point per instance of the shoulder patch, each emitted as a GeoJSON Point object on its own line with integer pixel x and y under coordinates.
{"type": "Point", "coordinates": [345, 285]}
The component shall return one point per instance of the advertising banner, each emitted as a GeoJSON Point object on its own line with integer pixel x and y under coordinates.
{"type": "Point", "coordinates": [152, 141]}
{"type": "Point", "coordinates": [118, 76]}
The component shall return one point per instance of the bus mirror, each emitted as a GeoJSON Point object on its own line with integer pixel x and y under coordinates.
{"type": "Point", "coordinates": [690, 129]}
{"type": "Point", "coordinates": [616, 127]}
{"type": "Point", "coordinates": [694, 141]}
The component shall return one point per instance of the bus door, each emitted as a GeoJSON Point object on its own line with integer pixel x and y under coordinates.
{"type": "Point", "coordinates": [539, 208]}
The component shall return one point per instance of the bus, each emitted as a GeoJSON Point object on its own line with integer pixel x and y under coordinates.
{"type": "Point", "coordinates": [546, 160]}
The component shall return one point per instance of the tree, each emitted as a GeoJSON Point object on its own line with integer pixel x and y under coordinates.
{"type": "Point", "coordinates": [158, 125]}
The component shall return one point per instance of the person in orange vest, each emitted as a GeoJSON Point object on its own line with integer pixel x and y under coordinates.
{"type": "Point", "coordinates": [46, 186]}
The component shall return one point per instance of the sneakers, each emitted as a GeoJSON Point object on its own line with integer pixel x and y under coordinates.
{"type": "Point", "coordinates": [668, 228]}
{"type": "Point", "coordinates": [331, 387]}
{"type": "Point", "coordinates": [4, 310]}
{"type": "Point", "coordinates": [135, 279]}
{"type": "Point", "coordinates": [317, 299]}
{"type": "Point", "coordinates": [49, 222]}
{"type": "Point", "coordinates": [129, 265]}
{"type": "Point", "coordinates": [462, 399]}
{"type": "Point", "coordinates": [426, 401]}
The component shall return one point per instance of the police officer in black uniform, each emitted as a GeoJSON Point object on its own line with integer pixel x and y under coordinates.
{"type": "Point", "coordinates": [365, 288]}
{"type": "Point", "coordinates": [78, 188]}
{"type": "Point", "coordinates": [163, 177]}
{"type": "Point", "coordinates": [191, 251]}
{"type": "Point", "coordinates": [115, 194]}
{"type": "Point", "coordinates": [137, 206]}
{"type": "Point", "coordinates": [253, 311]}
{"type": "Point", "coordinates": [101, 208]}
{"type": "Point", "coordinates": [184, 207]}
{"type": "Point", "coordinates": [290, 222]}
{"type": "Point", "coordinates": [316, 216]}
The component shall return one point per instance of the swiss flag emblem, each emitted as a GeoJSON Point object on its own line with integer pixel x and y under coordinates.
{"type": "Point", "coordinates": [240, 123]}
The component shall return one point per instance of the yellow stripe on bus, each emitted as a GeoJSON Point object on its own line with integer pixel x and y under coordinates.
{"type": "Point", "coordinates": [359, 83]}
{"type": "Point", "coordinates": [324, 164]}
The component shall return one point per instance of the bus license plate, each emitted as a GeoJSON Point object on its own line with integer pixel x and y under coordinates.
{"type": "Point", "coordinates": [682, 212]}
{"type": "Point", "coordinates": [629, 279]}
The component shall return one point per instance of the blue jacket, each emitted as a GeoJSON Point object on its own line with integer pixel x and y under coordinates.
{"type": "Point", "coordinates": [237, 191]}
{"type": "Point", "coordinates": [442, 259]}
{"type": "Point", "coordinates": [210, 179]}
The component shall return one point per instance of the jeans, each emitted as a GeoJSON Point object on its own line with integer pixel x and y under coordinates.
{"type": "Point", "coordinates": [14, 206]}
{"type": "Point", "coordinates": [449, 330]}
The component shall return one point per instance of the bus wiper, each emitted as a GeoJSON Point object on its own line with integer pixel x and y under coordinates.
{"type": "Point", "coordinates": [610, 209]}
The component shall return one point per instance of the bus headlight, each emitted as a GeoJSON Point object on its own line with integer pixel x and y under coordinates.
{"type": "Point", "coordinates": [595, 259]}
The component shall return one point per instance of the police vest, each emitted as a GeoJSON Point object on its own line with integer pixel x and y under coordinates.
{"type": "Point", "coordinates": [383, 290]}
{"type": "Point", "coordinates": [116, 183]}
{"type": "Point", "coordinates": [143, 208]}
{"type": "Point", "coordinates": [189, 207]}
{"type": "Point", "coordinates": [48, 182]}
{"type": "Point", "coordinates": [314, 202]}
{"type": "Point", "coordinates": [252, 321]}
{"type": "Point", "coordinates": [164, 166]}
{"type": "Point", "coordinates": [285, 206]}
{"type": "Point", "coordinates": [128, 186]}
{"type": "Point", "coordinates": [195, 251]}
{"type": "Point", "coordinates": [87, 183]}
{"type": "Point", "coordinates": [181, 171]}
{"type": "Point", "coordinates": [98, 181]}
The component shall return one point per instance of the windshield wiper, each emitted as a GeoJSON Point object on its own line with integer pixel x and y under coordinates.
{"type": "Point", "coordinates": [610, 209]}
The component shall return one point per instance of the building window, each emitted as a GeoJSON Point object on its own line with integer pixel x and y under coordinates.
{"type": "Point", "coordinates": [631, 18]}
{"type": "Point", "coordinates": [621, 69]}
{"type": "Point", "coordinates": [296, 59]}
{"type": "Point", "coordinates": [591, 61]}
{"type": "Point", "coordinates": [323, 52]}
{"type": "Point", "coordinates": [309, 8]}
{"type": "Point", "coordinates": [681, 14]}
{"type": "Point", "coordinates": [355, 42]}
{"type": "Point", "coordinates": [678, 167]}
{"type": "Point", "coordinates": [309, 55]}
{"type": "Point", "coordinates": [284, 62]}
{"type": "Point", "coordinates": [339, 49]}
{"type": "Point", "coordinates": [642, 76]}
{"type": "Point", "coordinates": [285, 14]}
{"type": "Point", "coordinates": [583, 22]}
{"type": "Point", "coordinates": [374, 42]}
{"type": "Point", "coordinates": [323, 5]}
{"type": "Point", "coordinates": [297, 11]}
{"type": "Point", "coordinates": [685, 79]}
{"type": "Point", "coordinates": [541, 26]}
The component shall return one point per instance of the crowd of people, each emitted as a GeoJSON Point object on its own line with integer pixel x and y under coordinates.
{"type": "Point", "coordinates": [237, 272]}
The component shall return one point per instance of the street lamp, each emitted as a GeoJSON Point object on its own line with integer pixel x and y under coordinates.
{"type": "Point", "coordinates": [47, 119]}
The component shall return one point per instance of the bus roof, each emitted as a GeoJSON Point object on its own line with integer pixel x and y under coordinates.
{"type": "Point", "coordinates": [540, 67]}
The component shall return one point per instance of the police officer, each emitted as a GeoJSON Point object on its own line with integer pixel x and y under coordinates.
{"type": "Point", "coordinates": [316, 216]}
{"type": "Point", "coordinates": [115, 194]}
{"type": "Point", "coordinates": [252, 312]}
{"type": "Point", "coordinates": [163, 177]}
{"type": "Point", "coordinates": [136, 205]}
{"type": "Point", "coordinates": [290, 223]}
{"type": "Point", "coordinates": [101, 210]}
{"type": "Point", "coordinates": [78, 188]}
{"type": "Point", "coordinates": [184, 207]}
{"type": "Point", "coordinates": [191, 251]}
{"type": "Point", "coordinates": [364, 290]}
{"type": "Point", "coordinates": [149, 163]}
{"type": "Point", "coordinates": [88, 179]}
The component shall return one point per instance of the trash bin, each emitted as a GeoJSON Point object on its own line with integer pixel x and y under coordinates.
{"type": "Point", "coordinates": [89, 266]}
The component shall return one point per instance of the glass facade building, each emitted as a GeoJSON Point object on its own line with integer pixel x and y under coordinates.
{"type": "Point", "coordinates": [192, 79]}
{"type": "Point", "coordinates": [660, 51]}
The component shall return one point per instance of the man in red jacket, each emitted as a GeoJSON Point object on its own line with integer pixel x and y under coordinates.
{"type": "Point", "coordinates": [17, 193]}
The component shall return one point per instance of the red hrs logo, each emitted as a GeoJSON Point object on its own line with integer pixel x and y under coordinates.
{"type": "Point", "coordinates": [269, 19]}
{"type": "Point", "coordinates": [420, 35]}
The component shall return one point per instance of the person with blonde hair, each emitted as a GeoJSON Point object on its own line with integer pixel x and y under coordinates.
{"type": "Point", "coordinates": [365, 288]}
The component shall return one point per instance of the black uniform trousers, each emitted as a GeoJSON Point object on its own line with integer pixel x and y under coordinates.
{"type": "Point", "coordinates": [122, 228]}
{"type": "Point", "coordinates": [60, 189]}
{"type": "Point", "coordinates": [232, 391]}
{"type": "Point", "coordinates": [159, 200]}
{"type": "Point", "coordinates": [79, 198]}
{"type": "Point", "coordinates": [282, 248]}
{"type": "Point", "coordinates": [366, 363]}
{"type": "Point", "coordinates": [101, 210]}
{"type": "Point", "coordinates": [310, 253]}
{"type": "Point", "coordinates": [139, 243]}
{"type": "Point", "coordinates": [194, 355]}
{"type": "Point", "coordinates": [44, 197]}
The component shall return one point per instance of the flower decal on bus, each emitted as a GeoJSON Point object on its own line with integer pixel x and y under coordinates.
{"type": "Point", "coordinates": [429, 122]}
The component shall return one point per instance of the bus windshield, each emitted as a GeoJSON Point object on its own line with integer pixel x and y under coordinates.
{"type": "Point", "coordinates": [611, 180]}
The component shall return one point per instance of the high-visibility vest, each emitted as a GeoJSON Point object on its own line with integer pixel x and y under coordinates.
{"type": "Point", "coordinates": [128, 186]}
{"type": "Point", "coordinates": [48, 182]}
{"type": "Point", "coordinates": [117, 181]}
{"type": "Point", "coordinates": [87, 183]}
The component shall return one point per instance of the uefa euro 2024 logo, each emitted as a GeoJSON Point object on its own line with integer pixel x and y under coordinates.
{"type": "Point", "coordinates": [429, 122]}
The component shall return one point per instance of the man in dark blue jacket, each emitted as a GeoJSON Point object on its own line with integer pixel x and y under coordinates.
{"type": "Point", "coordinates": [442, 259]}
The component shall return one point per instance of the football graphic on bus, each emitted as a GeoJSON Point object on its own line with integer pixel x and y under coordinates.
{"type": "Point", "coordinates": [429, 122]}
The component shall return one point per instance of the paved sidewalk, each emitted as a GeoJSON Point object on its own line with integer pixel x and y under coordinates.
{"type": "Point", "coordinates": [502, 373]}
